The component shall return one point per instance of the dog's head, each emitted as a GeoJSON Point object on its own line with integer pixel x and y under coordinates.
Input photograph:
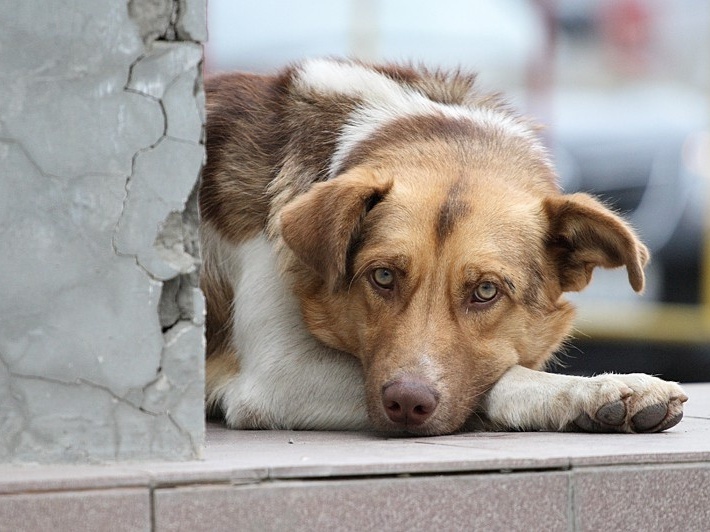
{"type": "Point", "coordinates": [441, 271]}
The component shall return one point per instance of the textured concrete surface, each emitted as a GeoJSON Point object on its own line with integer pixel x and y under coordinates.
{"type": "Point", "coordinates": [643, 498]}
{"type": "Point", "coordinates": [101, 323]}
{"type": "Point", "coordinates": [518, 501]}
{"type": "Point", "coordinates": [271, 480]}
{"type": "Point", "coordinates": [74, 511]}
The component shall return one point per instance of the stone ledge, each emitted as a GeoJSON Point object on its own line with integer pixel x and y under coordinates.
{"type": "Point", "coordinates": [560, 479]}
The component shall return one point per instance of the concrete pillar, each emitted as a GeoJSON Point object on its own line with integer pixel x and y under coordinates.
{"type": "Point", "coordinates": [101, 144]}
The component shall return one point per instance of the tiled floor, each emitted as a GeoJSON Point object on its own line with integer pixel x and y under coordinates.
{"type": "Point", "coordinates": [354, 481]}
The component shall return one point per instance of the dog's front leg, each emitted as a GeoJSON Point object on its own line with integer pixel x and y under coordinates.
{"type": "Point", "coordinates": [525, 399]}
{"type": "Point", "coordinates": [308, 388]}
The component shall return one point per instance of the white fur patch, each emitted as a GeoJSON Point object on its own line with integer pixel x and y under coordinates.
{"type": "Point", "coordinates": [384, 101]}
{"type": "Point", "coordinates": [287, 378]}
{"type": "Point", "coordinates": [525, 399]}
{"type": "Point", "coordinates": [348, 79]}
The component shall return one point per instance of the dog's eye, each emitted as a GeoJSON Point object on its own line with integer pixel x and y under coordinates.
{"type": "Point", "coordinates": [383, 278]}
{"type": "Point", "coordinates": [484, 292]}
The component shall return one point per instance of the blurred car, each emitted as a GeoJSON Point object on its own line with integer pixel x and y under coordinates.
{"type": "Point", "coordinates": [637, 147]}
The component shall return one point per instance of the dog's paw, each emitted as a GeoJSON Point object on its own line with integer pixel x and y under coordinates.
{"type": "Point", "coordinates": [630, 403]}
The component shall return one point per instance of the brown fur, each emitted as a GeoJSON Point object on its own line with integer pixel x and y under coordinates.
{"type": "Point", "coordinates": [428, 314]}
{"type": "Point", "coordinates": [441, 203]}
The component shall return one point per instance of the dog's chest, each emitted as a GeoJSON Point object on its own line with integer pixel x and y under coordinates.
{"type": "Point", "coordinates": [285, 373]}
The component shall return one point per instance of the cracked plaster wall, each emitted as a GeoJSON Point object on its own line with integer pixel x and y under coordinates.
{"type": "Point", "coordinates": [101, 144]}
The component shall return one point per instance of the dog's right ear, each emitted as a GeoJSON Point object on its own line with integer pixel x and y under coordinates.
{"type": "Point", "coordinates": [320, 225]}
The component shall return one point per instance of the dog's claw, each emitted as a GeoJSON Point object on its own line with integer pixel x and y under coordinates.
{"type": "Point", "coordinates": [612, 414]}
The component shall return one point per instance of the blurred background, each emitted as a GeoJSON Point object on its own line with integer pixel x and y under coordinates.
{"type": "Point", "coordinates": [623, 87]}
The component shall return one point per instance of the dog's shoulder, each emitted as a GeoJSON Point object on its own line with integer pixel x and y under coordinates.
{"type": "Point", "coordinates": [242, 144]}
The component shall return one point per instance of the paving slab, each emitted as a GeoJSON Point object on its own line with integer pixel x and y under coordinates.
{"type": "Point", "coordinates": [249, 457]}
{"type": "Point", "coordinates": [76, 511]}
{"type": "Point", "coordinates": [520, 501]}
{"type": "Point", "coordinates": [668, 498]}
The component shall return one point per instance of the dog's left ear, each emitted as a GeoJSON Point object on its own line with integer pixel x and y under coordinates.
{"type": "Point", "coordinates": [585, 234]}
{"type": "Point", "coordinates": [320, 225]}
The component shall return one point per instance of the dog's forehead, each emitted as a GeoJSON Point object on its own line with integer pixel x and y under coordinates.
{"type": "Point", "coordinates": [462, 217]}
{"type": "Point", "coordinates": [455, 195]}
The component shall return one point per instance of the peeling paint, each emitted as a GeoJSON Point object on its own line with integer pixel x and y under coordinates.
{"type": "Point", "coordinates": [169, 20]}
{"type": "Point", "coordinates": [101, 319]}
{"type": "Point", "coordinates": [155, 18]}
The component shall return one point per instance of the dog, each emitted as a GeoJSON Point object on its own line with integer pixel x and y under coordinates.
{"type": "Point", "coordinates": [386, 247]}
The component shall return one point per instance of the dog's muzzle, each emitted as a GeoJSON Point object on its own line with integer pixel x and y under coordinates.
{"type": "Point", "coordinates": [409, 401]}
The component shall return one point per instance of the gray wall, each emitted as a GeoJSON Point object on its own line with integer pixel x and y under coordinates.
{"type": "Point", "coordinates": [101, 323]}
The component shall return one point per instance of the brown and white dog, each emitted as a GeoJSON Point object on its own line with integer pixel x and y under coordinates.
{"type": "Point", "coordinates": [386, 247]}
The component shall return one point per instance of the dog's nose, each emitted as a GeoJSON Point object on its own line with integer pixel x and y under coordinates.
{"type": "Point", "coordinates": [409, 401]}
